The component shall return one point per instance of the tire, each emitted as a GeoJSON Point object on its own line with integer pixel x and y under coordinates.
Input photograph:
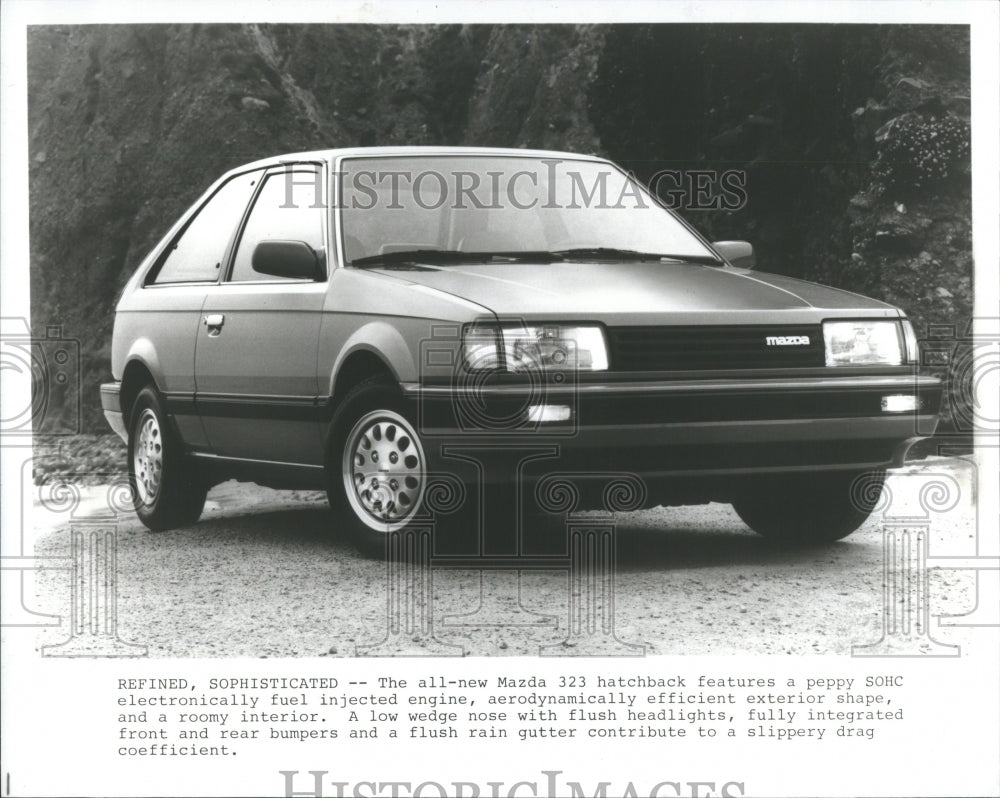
{"type": "Point", "coordinates": [166, 492]}
{"type": "Point", "coordinates": [376, 465]}
{"type": "Point", "coordinates": [810, 510]}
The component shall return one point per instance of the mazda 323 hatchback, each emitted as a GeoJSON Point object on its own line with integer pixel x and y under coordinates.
{"type": "Point", "coordinates": [343, 319]}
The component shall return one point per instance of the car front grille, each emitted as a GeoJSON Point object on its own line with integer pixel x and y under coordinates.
{"type": "Point", "coordinates": [702, 348]}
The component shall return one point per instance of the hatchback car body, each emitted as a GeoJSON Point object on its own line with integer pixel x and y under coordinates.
{"type": "Point", "coordinates": [350, 319]}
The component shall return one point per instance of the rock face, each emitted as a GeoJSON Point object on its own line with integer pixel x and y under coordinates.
{"type": "Point", "coordinates": [911, 216]}
{"type": "Point", "coordinates": [854, 139]}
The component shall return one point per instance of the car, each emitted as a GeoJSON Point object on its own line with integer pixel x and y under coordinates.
{"type": "Point", "coordinates": [371, 320]}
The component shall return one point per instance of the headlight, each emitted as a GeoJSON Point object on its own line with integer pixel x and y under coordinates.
{"type": "Point", "coordinates": [521, 348]}
{"type": "Point", "coordinates": [863, 343]}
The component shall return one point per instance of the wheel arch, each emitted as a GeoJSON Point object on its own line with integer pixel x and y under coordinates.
{"type": "Point", "coordinates": [359, 361]}
{"type": "Point", "coordinates": [136, 375]}
{"type": "Point", "coordinates": [375, 348]}
{"type": "Point", "coordinates": [359, 364]}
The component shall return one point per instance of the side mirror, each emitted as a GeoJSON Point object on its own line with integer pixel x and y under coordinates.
{"type": "Point", "coordinates": [294, 259]}
{"type": "Point", "coordinates": [738, 253]}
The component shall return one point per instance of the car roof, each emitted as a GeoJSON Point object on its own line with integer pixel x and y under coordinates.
{"type": "Point", "coordinates": [356, 152]}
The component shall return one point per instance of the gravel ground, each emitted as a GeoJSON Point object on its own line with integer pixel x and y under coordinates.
{"type": "Point", "coordinates": [266, 573]}
{"type": "Point", "coordinates": [82, 459]}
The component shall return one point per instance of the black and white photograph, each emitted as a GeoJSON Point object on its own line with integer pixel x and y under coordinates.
{"type": "Point", "coordinates": [487, 400]}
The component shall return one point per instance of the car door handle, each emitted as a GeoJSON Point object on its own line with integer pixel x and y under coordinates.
{"type": "Point", "coordinates": [214, 322]}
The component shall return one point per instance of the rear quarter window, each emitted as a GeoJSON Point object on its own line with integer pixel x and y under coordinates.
{"type": "Point", "coordinates": [196, 255]}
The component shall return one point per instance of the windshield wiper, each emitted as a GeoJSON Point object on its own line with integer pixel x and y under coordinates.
{"type": "Point", "coordinates": [438, 257]}
{"type": "Point", "coordinates": [706, 260]}
{"type": "Point", "coordinates": [612, 253]}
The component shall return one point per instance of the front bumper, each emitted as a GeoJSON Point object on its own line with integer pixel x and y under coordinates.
{"type": "Point", "coordinates": [690, 427]}
{"type": "Point", "coordinates": [111, 404]}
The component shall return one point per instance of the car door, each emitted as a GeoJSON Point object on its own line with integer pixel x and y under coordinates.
{"type": "Point", "coordinates": [255, 360]}
{"type": "Point", "coordinates": [168, 309]}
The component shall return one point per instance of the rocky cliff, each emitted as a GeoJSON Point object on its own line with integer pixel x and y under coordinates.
{"type": "Point", "coordinates": [854, 139]}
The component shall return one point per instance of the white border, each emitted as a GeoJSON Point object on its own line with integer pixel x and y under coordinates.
{"type": "Point", "coordinates": [49, 721]}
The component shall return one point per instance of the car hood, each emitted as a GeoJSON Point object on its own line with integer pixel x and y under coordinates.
{"type": "Point", "coordinates": [639, 292]}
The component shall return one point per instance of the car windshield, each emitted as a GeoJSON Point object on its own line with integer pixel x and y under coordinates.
{"type": "Point", "coordinates": [450, 209]}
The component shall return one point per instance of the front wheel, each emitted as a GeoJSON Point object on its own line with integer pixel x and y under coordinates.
{"type": "Point", "coordinates": [166, 492]}
{"type": "Point", "coordinates": [813, 509]}
{"type": "Point", "coordinates": [376, 469]}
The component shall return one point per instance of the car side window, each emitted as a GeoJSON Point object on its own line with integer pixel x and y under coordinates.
{"type": "Point", "coordinates": [289, 207]}
{"type": "Point", "coordinates": [196, 255]}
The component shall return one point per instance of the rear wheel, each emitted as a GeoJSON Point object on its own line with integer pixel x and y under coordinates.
{"type": "Point", "coordinates": [166, 492]}
{"type": "Point", "coordinates": [813, 509]}
{"type": "Point", "coordinates": [376, 469]}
